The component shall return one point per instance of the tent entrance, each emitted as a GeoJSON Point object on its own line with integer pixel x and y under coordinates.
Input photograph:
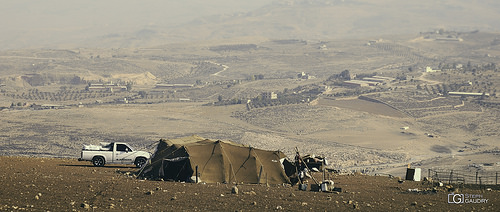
{"type": "Point", "coordinates": [176, 169]}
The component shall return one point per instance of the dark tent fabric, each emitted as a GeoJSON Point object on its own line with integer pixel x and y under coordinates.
{"type": "Point", "coordinates": [217, 161]}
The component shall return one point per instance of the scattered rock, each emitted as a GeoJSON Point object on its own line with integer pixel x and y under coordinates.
{"type": "Point", "coordinates": [304, 203]}
{"type": "Point", "coordinates": [149, 193]}
{"type": "Point", "coordinates": [279, 207]}
{"type": "Point", "coordinates": [254, 203]}
{"type": "Point", "coordinates": [85, 205]}
{"type": "Point", "coordinates": [173, 198]}
{"type": "Point", "coordinates": [414, 203]}
{"type": "Point", "coordinates": [250, 193]}
{"type": "Point", "coordinates": [234, 190]}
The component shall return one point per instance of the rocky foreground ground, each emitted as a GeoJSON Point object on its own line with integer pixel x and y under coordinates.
{"type": "Point", "coordinates": [49, 184]}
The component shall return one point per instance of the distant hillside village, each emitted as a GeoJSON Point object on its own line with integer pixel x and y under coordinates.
{"type": "Point", "coordinates": [443, 35]}
{"type": "Point", "coordinates": [301, 94]}
{"type": "Point", "coordinates": [368, 81]}
{"type": "Point", "coordinates": [475, 82]}
{"type": "Point", "coordinates": [106, 87]}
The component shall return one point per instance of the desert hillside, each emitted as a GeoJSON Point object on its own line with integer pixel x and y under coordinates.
{"type": "Point", "coordinates": [55, 101]}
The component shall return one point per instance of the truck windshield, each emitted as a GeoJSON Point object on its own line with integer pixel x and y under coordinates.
{"type": "Point", "coordinates": [122, 148]}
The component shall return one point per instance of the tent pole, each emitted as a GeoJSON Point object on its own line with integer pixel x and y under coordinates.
{"type": "Point", "coordinates": [324, 169]}
{"type": "Point", "coordinates": [196, 174]}
{"type": "Point", "coordinates": [297, 149]}
{"type": "Point", "coordinates": [231, 174]}
{"type": "Point", "coordinates": [260, 173]}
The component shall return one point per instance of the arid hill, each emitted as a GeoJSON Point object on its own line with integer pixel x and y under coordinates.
{"type": "Point", "coordinates": [49, 184]}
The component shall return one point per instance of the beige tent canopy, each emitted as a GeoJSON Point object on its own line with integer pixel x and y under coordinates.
{"type": "Point", "coordinates": [217, 161]}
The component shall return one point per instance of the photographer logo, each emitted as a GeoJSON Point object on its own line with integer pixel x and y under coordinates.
{"type": "Point", "coordinates": [466, 198]}
{"type": "Point", "coordinates": [455, 198]}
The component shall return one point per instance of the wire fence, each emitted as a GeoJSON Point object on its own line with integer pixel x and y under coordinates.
{"type": "Point", "coordinates": [461, 177]}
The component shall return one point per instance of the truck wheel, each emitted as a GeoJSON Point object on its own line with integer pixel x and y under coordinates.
{"type": "Point", "coordinates": [98, 161]}
{"type": "Point", "coordinates": [139, 162]}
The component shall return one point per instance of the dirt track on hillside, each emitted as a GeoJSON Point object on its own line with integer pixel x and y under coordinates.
{"type": "Point", "coordinates": [48, 184]}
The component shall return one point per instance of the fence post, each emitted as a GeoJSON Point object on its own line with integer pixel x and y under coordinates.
{"type": "Point", "coordinates": [429, 173]}
{"type": "Point", "coordinates": [451, 176]}
{"type": "Point", "coordinates": [480, 184]}
{"type": "Point", "coordinates": [496, 178]}
{"type": "Point", "coordinates": [476, 177]}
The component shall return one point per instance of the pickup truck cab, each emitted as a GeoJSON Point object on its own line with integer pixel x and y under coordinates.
{"type": "Point", "coordinates": [113, 153]}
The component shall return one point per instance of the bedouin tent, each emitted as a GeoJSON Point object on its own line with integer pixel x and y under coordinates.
{"type": "Point", "coordinates": [217, 161]}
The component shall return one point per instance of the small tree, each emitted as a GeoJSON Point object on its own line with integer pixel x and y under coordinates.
{"type": "Point", "coordinates": [345, 75]}
{"type": "Point", "coordinates": [129, 86]}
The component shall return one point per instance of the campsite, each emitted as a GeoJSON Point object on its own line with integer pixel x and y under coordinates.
{"type": "Point", "coordinates": [52, 184]}
{"type": "Point", "coordinates": [218, 162]}
{"type": "Point", "coordinates": [198, 174]}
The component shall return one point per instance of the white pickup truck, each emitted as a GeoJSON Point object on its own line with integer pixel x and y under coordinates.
{"type": "Point", "coordinates": [113, 153]}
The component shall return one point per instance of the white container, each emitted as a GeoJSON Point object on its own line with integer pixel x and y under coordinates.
{"type": "Point", "coordinates": [413, 174]}
{"type": "Point", "coordinates": [327, 185]}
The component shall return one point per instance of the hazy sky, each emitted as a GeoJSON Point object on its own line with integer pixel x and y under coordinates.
{"type": "Point", "coordinates": [45, 18]}
{"type": "Point", "coordinates": [73, 23]}
{"type": "Point", "coordinates": [24, 15]}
